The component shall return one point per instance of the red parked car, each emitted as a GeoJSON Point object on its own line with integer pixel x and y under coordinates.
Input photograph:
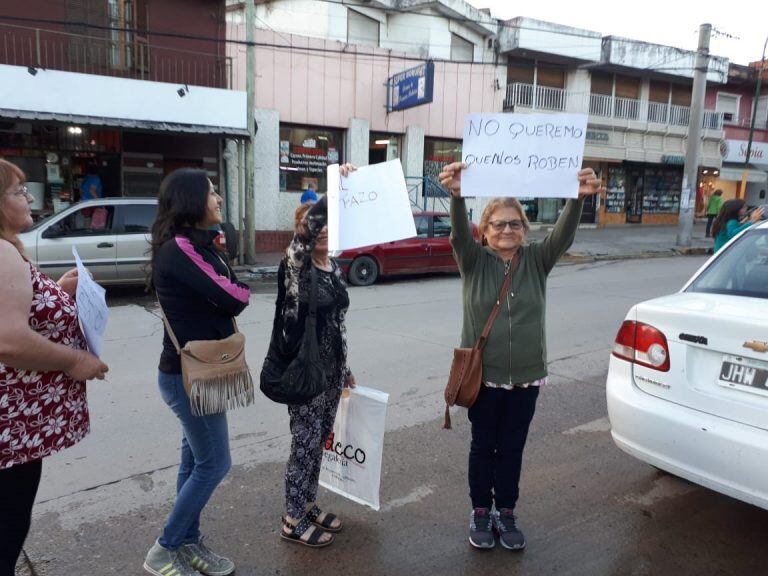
{"type": "Point", "coordinates": [429, 251]}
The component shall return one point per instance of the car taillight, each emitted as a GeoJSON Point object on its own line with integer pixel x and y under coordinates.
{"type": "Point", "coordinates": [642, 344]}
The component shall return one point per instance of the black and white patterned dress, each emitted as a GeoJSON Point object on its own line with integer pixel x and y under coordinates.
{"type": "Point", "coordinates": [311, 423]}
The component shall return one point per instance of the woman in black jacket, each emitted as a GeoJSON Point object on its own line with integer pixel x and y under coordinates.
{"type": "Point", "coordinates": [305, 523]}
{"type": "Point", "coordinates": [200, 296]}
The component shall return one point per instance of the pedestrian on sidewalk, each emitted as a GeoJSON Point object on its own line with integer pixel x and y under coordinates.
{"type": "Point", "coordinates": [514, 357]}
{"type": "Point", "coordinates": [713, 209]}
{"type": "Point", "coordinates": [200, 296]}
{"type": "Point", "coordinates": [731, 220]}
{"type": "Point", "coordinates": [44, 364]}
{"type": "Point", "coordinates": [311, 423]}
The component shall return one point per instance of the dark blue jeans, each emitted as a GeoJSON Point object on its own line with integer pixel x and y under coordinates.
{"type": "Point", "coordinates": [500, 421]}
{"type": "Point", "coordinates": [205, 461]}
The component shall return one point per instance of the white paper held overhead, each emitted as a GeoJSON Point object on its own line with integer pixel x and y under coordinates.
{"type": "Point", "coordinates": [370, 206]}
{"type": "Point", "coordinates": [523, 155]}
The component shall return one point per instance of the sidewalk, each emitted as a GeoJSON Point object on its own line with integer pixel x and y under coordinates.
{"type": "Point", "coordinates": [615, 243]}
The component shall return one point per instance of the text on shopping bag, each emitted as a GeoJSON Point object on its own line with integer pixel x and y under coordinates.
{"type": "Point", "coordinates": [530, 155]}
{"type": "Point", "coordinates": [370, 206]}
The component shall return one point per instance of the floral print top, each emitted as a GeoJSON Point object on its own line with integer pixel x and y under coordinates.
{"type": "Point", "coordinates": [43, 412]}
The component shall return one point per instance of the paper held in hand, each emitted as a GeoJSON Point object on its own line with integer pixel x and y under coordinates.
{"type": "Point", "coordinates": [92, 308]}
{"type": "Point", "coordinates": [371, 206]}
{"type": "Point", "coordinates": [523, 155]}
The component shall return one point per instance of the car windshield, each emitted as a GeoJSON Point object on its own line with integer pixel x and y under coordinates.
{"type": "Point", "coordinates": [740, 270]}
{"type": "Point", "coordinates": [40, 222]}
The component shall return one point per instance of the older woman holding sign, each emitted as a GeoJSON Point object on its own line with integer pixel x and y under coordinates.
{"type": "Point", "coordinates": [514, 357]}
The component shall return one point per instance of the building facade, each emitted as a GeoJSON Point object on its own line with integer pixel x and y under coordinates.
{"type": "Point", "coordinates": [736, 101]}
{"type": "Point", "coordinates": [322, 70]}
{"type": "Point", "coordinates": [126, 90]}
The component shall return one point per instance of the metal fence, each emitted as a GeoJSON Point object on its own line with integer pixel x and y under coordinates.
{"type": "Point", "coordinates": [106, 56]}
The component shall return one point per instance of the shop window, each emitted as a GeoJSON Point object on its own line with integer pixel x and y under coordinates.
{"type": "Point", "coordinates": [439, 152]}
{"type": "Point", "coordinates": [461, 50]}
{"type": "Point", "coordinates": [305, 154]}
{"type": "Point", "coordinates": [361, 29]}
{"type": "Point", "coordinates": [728, 104]}
{"type": "Point", "coordinates": [383, 147]}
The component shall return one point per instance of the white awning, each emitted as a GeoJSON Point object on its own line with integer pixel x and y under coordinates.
{"type": "Point", "coordinates": [735, 174]}
{"type": "Point", "coordinates": [38, 94]}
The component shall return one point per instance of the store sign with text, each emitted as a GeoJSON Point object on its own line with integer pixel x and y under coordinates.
{"type": "Point", "coordinates": [412, 87]}
{"type": "Point", "coordinates": [736, 151]}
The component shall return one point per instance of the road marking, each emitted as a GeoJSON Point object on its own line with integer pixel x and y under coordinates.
{"type": "Point", "coordinates": [415, 495]}
{"type": "Point", "coordinates": [599, 425]}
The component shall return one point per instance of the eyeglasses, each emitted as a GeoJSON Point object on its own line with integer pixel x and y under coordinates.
{"type": "Point", "coordinates": [20, 191]}
{"type": "Point", "coordinates": [500, 225]}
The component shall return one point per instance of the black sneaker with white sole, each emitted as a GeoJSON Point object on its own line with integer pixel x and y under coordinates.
{"type": "Point", "coordinates": [505, 524]}
{"type": "Point", "coordinates": [481, 529]}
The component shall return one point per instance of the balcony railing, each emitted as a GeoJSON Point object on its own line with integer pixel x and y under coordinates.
{"type": "Point", "coordinates": [108, 56]}
{"type": "Point", "coordinates": [630, 109]}
{"type": "Point", "coordinates": [535, 97]}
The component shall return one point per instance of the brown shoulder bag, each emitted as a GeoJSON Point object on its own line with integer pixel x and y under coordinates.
{"type": "Point", "coordinates": [466, 374]}
{"type": "Point", "coordinates": [216, 376]}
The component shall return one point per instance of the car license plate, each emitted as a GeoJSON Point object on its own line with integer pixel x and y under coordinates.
{"type": "Point", "coordinates": [744, 372]}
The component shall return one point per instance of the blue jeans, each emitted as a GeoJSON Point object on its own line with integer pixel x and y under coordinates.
{"type": "Point", "coordinates": [205, 461]}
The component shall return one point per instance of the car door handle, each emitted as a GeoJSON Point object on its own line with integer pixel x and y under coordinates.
{"type": "Point", "coordinates": [105, 245]}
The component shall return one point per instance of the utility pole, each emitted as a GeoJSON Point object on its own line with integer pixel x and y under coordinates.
{"type": "Point", "coordinates": [691, 170]}
{"type": "Point", "coordinates": [745, 174]}
{"type": "Point", "coordinates": [250, 75]}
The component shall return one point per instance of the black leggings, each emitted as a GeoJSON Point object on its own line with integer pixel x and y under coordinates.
{"type": "Point", "coordinates": [18, 488]}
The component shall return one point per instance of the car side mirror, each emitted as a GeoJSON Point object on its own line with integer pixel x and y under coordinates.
{"type": "Point", "coordinates": [53, 231]}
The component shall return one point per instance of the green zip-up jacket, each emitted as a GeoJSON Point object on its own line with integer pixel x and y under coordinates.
{"type": "Point", "coordinates": [516, 351]}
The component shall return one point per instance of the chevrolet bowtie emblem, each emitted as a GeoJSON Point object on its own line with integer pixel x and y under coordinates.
{"type": "Point", "coordinates": [757, 346]}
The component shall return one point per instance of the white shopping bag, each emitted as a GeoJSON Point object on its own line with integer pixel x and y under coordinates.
{"type": "Point", "coordinates": [352, 456]}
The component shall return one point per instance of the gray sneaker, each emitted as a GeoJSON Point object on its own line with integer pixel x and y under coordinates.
{"type": "Point", "coordinates": [510, 536]}
{"type": "Point", "coordinates": [205, 560]}
{"type": "Point", "coordinates": [163, 562]}
{"type": "Point", "coordinates": [481, 529]}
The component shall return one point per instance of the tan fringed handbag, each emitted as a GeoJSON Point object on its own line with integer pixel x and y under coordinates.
{"type": "Point", "coordinates": [216, 375]}
{"type": "Point", "coordinates": [466, 374]}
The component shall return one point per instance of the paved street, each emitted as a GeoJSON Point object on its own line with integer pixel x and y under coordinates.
{"type": "Point", "coordinates": [586, 508]}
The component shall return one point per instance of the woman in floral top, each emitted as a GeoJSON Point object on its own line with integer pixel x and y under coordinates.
{"type": "Point", "coordinates": [43, 368]}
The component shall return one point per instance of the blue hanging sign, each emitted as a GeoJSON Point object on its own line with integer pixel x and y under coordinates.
{"type": "Point", "coordinates": [412, 87]}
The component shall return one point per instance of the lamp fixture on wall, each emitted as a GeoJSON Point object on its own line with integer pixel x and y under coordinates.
{"type": "Point", "coordinates": [183, 91]}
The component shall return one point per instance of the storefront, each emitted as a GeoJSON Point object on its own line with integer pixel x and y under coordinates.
{"type": "Point", "coordinates": [305, 154]}
{"type": "Point", "coordinates": [58, 157]}
{"type": "Point", "coordinates": [641, 193]}
{"type": "Point", "coordinates": [383, 147]}
{"type": "Point", "coordinates": [123, 143]}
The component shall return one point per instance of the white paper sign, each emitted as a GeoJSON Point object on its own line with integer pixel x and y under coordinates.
{"type": "Point", "coordinates": [371, 206]}
{"type": "Point", "coordinates": [530, 155]}
{"type": "Point", "coordinates": [92, 308]}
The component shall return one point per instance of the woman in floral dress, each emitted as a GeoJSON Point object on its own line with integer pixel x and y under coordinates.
{"type": "Point", "coordinates": [43, 368]}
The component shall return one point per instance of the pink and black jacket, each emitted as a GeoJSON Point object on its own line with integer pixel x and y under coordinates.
{"type": "Point", "coordinates": [198, 291]}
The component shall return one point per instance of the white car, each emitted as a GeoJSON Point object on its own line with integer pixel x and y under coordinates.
{"type": "Point", "coordinates": [687, 384]}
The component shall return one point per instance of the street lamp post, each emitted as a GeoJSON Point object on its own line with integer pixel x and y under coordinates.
{"type": "Point", "coordinates": [745, 174]}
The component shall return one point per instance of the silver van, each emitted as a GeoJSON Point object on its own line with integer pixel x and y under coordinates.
{"type": "Point", "coordinates": [111, 235]}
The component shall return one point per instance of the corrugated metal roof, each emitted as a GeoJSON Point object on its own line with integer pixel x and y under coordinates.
{"type": "Point", "coordinates": [122, 123]}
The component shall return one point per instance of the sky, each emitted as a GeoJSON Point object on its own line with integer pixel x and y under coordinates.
{"type": "Point", "coordinates": [669, 22]}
